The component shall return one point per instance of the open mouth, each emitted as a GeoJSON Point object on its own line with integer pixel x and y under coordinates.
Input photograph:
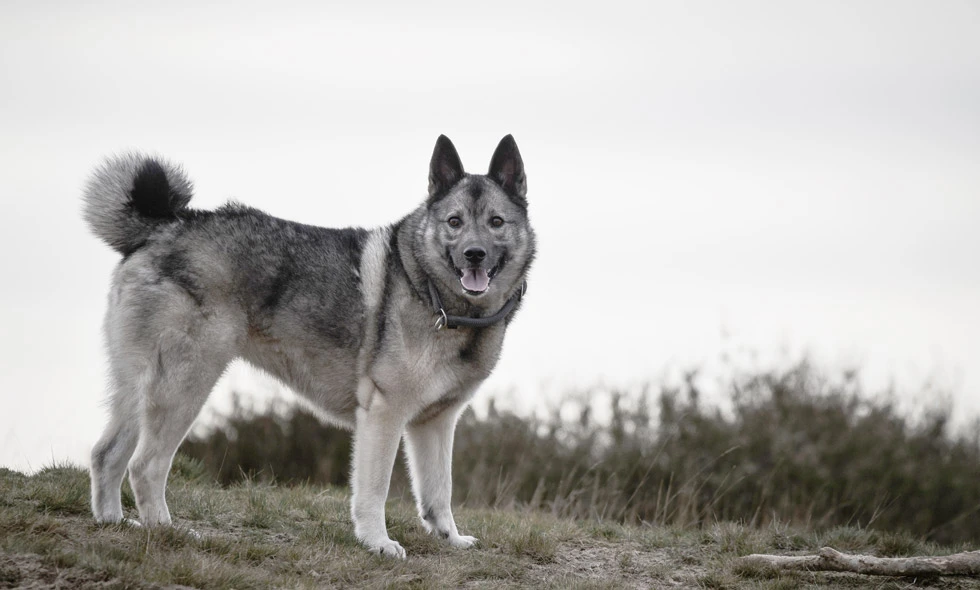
{"type": "Point", "coordinates": [476, 280]}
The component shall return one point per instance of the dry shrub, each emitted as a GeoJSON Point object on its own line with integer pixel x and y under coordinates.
{"type": "Point", "coordinates": [794, 447]}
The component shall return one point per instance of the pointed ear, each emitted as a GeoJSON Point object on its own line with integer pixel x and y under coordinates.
{"type": "Point", "coordinates": [507, 168]}
{"type": "Point", "coordinates": [445, 168]}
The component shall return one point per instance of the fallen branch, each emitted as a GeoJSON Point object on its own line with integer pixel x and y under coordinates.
{"type": "Point", "coordinates": [831, 560]}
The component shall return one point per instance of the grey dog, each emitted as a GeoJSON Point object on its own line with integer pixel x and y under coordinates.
{"type": "Point", "coordinates": [388, 331]}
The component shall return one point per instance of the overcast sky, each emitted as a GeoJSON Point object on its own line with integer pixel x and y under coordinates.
{"type": "Point", "coordinates": [750, 179]}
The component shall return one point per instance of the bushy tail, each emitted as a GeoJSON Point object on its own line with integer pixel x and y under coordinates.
{"type": "Point", "coordinates": [130, 196]}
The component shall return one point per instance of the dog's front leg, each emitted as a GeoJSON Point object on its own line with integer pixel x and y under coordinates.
{"type": "Point", "coordinates": [429, 446]}
{"type": "Point", "coordinates": [376, 439]}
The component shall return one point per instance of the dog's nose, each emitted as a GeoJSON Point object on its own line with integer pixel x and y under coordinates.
{"type": "Point", "coordinates": [474, 254]}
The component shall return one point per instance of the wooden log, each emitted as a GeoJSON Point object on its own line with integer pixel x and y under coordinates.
{"type": "Point", "coordinates": [831, 560]}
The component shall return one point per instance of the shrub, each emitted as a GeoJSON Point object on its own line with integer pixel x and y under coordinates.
{"type": "Point", "coordinates": [794, 447]}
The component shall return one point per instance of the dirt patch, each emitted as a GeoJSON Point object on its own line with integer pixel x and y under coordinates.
{"type": "Point", "coordinates": [28, 571]}
{"type": "Point", "coordinates": [621, 564]}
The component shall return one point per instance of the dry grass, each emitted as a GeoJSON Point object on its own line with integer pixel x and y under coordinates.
{"type": "Point", "coordinates": [794, 446]}
{"type": "Point", "coordinates": [253, 535]}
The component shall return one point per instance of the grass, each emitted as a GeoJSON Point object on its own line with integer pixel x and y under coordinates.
{"type": "Point", "coordinates": [260, 535]}
{"type": "Point", "coordinates": [794, 447]}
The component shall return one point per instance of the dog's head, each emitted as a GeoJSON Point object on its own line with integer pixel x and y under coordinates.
{"type": "Point", "coordinates": [478, 239]}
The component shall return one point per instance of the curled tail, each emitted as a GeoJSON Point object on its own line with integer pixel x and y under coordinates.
{"type": "Point", "coordinates": [130, 196]}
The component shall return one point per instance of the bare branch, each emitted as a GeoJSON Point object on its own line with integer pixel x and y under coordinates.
{"type": "Point", "coordinates": [831, 560]}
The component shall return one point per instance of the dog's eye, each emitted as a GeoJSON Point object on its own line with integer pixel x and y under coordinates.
{"type": "Point", "coordinates": [455, 221]}
{"type": "Point", "coordinates": [497, 221]}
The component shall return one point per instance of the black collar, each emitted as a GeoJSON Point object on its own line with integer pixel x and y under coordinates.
{"type": "Point", "coordinates": [454, 321]}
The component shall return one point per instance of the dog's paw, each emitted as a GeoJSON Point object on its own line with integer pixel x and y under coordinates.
{"type": "Point", "coordinates": [462, 541]}
{"type": "Point", "coordinates": [387, 548]}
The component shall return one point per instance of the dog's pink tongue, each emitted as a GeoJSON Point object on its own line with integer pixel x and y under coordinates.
{"type": "Point", "coordinates": [475, 279]}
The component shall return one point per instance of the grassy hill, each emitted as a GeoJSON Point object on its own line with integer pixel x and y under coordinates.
{"type": "Point", "coordinates": [801, 447]}
{"type": "Point", "coordinates": [258, 535]}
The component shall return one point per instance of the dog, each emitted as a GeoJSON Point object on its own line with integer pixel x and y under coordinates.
{"type": "Point", "coordinates": [388, 331]}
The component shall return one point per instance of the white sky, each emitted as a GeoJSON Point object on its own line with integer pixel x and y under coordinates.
{"type": "Point", "coordinates": [750, 179]}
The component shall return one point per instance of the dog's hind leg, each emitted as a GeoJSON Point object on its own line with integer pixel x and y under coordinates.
{"type": "Point", "coordinates": [186, 370]}
{"type": "Point", "coordinates": [429, 448]}
{"type": "Point", "coordinates": [112, 452]}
